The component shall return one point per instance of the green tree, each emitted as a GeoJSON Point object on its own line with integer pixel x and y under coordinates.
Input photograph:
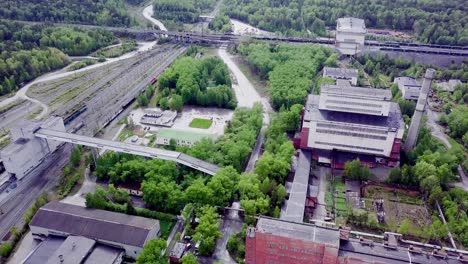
{"type": "Point", "coordinates": [189, 259]}
{"type": "Point", "coordinates": [353, 170]}
{"type": "Point", "coordinates": [152, 253]}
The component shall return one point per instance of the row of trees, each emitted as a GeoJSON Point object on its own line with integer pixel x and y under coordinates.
{"type": "Point", "coordinates": [30, 51]}
{"type": "Point", "coordinates": [183, 11]}
{"type": "Point", "coordinates": [441, 23]}
{"type": "Point", "coordinates": [289, 68]}
{"type": "Point", "coordinates": [95, 12]}
{"type": "Point", "coordinates": [203, 82]}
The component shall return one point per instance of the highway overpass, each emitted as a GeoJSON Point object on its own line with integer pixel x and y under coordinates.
{"type": "Point", "coordinates": [149, 152]}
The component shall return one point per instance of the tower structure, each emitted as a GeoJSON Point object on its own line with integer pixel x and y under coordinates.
{"type": "Point", "coordinates": [415, 125]}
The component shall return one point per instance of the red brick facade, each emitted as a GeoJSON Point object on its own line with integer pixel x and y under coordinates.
{"type": "Point", "coordinates": [265, 248]}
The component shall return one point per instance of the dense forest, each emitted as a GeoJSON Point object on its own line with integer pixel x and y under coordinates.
{"type": "Point", "coordinates": [288, 68]}
{"type": "Point", "coordinates": [29, 51]}
{"type": "Point", "coordinates": [204, 82]}
{"type": "Point", "coordinates": [441, 22]}
{"type": "Point", "coordinates": [96, 12]}
{"type": "Point", "coordinates": [220, 23]}
{"type": "Point", "coordinates": [184, 11]}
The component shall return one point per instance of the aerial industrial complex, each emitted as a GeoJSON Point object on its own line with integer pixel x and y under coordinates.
{"type": "Point", "coordinates": [225, 190]}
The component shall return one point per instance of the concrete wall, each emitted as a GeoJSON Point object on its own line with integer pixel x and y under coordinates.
{"type": "Point", "coordinates": [350, 43]}
{"type": "Point", "coordinates": [166, 141]}
{"type": "Point", "coordinates": [24, 155]}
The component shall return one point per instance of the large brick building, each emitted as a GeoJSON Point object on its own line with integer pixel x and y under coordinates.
{"type": "Point", "coordinates": [276, 241]}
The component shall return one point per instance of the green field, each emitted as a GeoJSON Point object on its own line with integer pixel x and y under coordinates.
{"type": "Point", "coordinates": [201, 123]}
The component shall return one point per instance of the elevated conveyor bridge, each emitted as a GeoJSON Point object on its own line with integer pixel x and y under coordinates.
{"type": "Point", "coordinates": [149, 152]}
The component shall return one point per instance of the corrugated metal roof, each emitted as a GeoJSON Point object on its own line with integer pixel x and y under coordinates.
{"type": "Point", "coordinates": [297, 198]}
{"type": "Point", "coordinates": [94, 223]}
{"type": "Point", "coordinates": [393, 120]}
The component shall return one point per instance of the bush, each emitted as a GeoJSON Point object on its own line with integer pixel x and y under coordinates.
{"type": "Point", "coordinates": [5, 249]}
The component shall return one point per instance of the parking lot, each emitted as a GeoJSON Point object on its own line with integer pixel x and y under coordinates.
{"type": "Point", "coordinates": [220, 118]}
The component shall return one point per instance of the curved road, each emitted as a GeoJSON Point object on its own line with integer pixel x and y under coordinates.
{"type": "Point", "coordinates": [148, 14]}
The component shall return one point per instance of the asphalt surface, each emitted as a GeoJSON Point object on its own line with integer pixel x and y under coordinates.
{"type": "Point", "coordinates": [320, 211]}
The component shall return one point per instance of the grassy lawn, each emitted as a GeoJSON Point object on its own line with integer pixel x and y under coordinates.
{"type": "Point", "coordinates": [201, 123]}
{"type": "Point", "coordinates": [166, 227]}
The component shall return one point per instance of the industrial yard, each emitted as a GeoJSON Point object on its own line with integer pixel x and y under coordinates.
{"type": "Point", "coordinates": [125, 139]}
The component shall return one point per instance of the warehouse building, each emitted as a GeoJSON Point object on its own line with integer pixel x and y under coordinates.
{"type": "Point", "coordinates": [125, 232]}
{"type": "Point", "coordinates": [350, 75]}
{"type": "Point", "coordinates": [26, 151]}
{"type": "Point", "coordinates": [350, 35]}
{"type": "Point", "coordinates": [345, 123]}
{"type": "Point", "coordinates": [409, 88]}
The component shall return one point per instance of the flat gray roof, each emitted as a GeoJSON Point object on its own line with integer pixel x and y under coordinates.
{"type": "Point", "coordinates": [42, 253]}
{"type": "Point", "coordinates": [95, 224]}
{"type": "Point", "coordinates": [351, 24]}
{"type": "Point", "coordinates": [102, 254]}
{"type": "Point", "coordinates": [300, 231]}
{"type": "Point", "coordinates": [393, 120]}
{"type": "Point", "coordinates": [73, 250]}
{"type": "Point", "coordinates": [362, 92]}
{"type": "Point", "coordinates": [340, 72]}
{"type": "Point", "coordinates": [297, 198]}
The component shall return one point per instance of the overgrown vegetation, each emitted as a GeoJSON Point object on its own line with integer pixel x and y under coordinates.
{"type": "Point", "coordinates": [289, 68]}
{"type": "Point", "coordinates": [95, 12]}
{"type": "Point", "coordinates": [128, 45]}
{"type": "Point", "coordinates": [220, 23]}
{"type": "Point", "coordinates": [236, 245]}
{"type": "Point", "coordinates": [73, 172]}
{"type": "Point", "coordinates": [30, 51]}
{"type": "Point", "coordinates": [433, 22]}
{"type": "Point", "coordinates": [182, 11]}
{"type": "Point", "coordinates": [82, 64]}
{"type": "Point", "coordinates": [203, 82]}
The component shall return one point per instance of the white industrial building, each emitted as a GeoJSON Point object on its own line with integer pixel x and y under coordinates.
{"type": "Point", "coordinates": [344, 123]}
{"type": "Point", "coordinates": [409, 87]}
{"type": "Point", "coordinates": [126, 232]}
{"type": "Point", "coordinates": [26, 151]}
{"type": "Point", "coordinates": [350, 75]}
{"type": "Point", "coordinates": [350, 35]}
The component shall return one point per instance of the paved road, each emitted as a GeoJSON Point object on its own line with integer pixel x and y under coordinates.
{"type": "Point", "coordinates": [230, 225]}
{"type": "Point", "coordinates": [148, 14]}
{"type": "Point", "coordinates": [436, 130]}
{"type": "Point", "coordinates": [321, 211]}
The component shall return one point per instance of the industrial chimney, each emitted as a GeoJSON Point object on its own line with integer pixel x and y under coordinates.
{"type": "Point", "coordinates": [415, 126]}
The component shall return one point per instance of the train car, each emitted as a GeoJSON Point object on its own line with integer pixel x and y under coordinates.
{"type": "Point", "coordinates": [70, 117]}
{"type": "Point", "coordinates": [154, 80]}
